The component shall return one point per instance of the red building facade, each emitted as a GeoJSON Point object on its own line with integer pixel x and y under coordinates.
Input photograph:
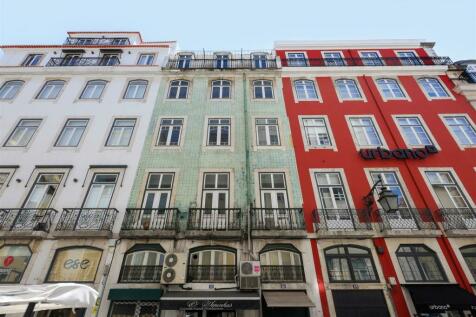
{"type": "Point", "coordinates": [384, 113]}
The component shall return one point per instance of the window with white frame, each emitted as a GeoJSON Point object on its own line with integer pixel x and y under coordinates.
{"type": "Point", "coordinates": [215, 190]}
{"type": "Point", "coordinates": [170, 131]}
{"type": "Point", "coordinates": [305, 89]}
{"type": "Point", "coordinates": [281, 265]}
{"type": "Point", "coordinates": [32, 60]}
{"type": "Point", "coordinates": [413, 131]}
{"type": "Point", "coordinates": [121, 132]}
{"type": "Point", "coordinates": [263, 89]}
{"type": "Point", "coordinates": [408, 58]}
{"type": "Point", "coordinates": [273, 192]}
{"type": "Point", "coordinates": [462, 129]}
{"type": "Point", "coordinates": [72, 132]}
{"type": "Point", "coordinates": [333, 58]}
{"type": "Point", "coordinates": [51, 89]}
{"type": "Point", "coordinates": [43, 190]}
{"type": "Point", "coordinates": [144, 264]}
{"type": "Point", "coordinates": [260, 61]}
{"type": "Point", "coordinates": [109, 59]}
{"type": "Point", "coordinates": [178, 89]}
{"type": "Point", "coordinates": [446, 189]}
{"type": "Point", "coordinates": [433, 88]}
{"type": "Point", "coordinates": [23, 133]}
{"type": "Point", "coordinates": [365, 132]}
{"type": "Point", "coordinates": [371, 59]}
{"type": "Point", "coordinates": [184, 61]}
{"type": "Point", "coordinates": [136, 89]}
{"type": "Point", "coordinates": [331, 191]}
{"type": "Point", "coordinates": [390, 88]}
{"type": "Point", "coordinates": [71, 59]}
{"type": "Point", "coordinates": [348, 89]}
{"type": "Point", "coordinates": [101, 190]}
{"type": "Point", "coordinates": [218, 132]}
{"type": "Point", "coordinates": [391, 182]}
{"type": "Point", "coordinates": [221, 89]}
{"type": "Point", "coordinates": [93, 89]}
{"type": "Point", "coordinates": [222, 60]}
{"type": "Point", "coordinates": [10, 89]}
{"type": "Point", "coordinates": [146, 59]}
{"type": "Point", "coordinates": [316, 132]}
{"type": "Point", "coordinates": [296, 59]}
{"type": "Point", "coordinates": [158, 190]}
{"type": "Point", "coordinates": [267, 131]}
{"type": "Point", "coordinates": [212, 264]}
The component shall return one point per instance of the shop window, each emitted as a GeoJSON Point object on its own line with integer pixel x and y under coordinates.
{"type": "Point", "coordinates": [75, 264]}
{"type": "Point", "coordinates": [13, 262]}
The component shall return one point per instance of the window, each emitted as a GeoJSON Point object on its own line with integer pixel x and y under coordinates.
{"type": "Point", "coordinates": [221, 89]}
{"type": "Point", "coordinates": [75, 264]}
{"type": "Point", "coordinates": [281, 265]}
{"type": "Point", "coordinates": [178, 89]}
{"type": "Point", "coordinates": [146, 59]}
{"type": "Point", "coordinates": [109, 60]}
{"type": "Point", "coordinates": [331, 191]}
{"type": "Point", "coordinates": [462, 130]}
{"type": "Point", "coordinates": [448, 192]}
{"type": "Point", "coordinates": [413, 131]}
{"type": "Point", "coordinates": [348, 89]}
{"type": "Point", "coordinates": [273, 193]}
{"type": "Point", "coordinates": [23, 133]}
{"type": "Point", "coordinates": [170, 131]}
{"type": "Point", "coordinates": [143, 263]}
{"type": "Point", "coordinates": [316, 132]}
{"type": "Point", "coordinates": [133, 309]}
{"type": "Point", "coordinates": [158, 190]}
{"type": "Point", "coordinates": [212, 265]}
{"type": "Point", "coordinates": [136, 89]}
{"type": "Point", "coordinates": [365, 132]}
{"type": "Point", "coordinates": [51, 89]}
{"type": "Point", "coordinates": [433, 88]}
{"type": "Point", "coordinates": [10, 89]}
{"type": "Point", "coordinates": [100, 190]}
{"type": "Point", "coordinates": [296, 59]}
{"type": "Point", "coordinates": [215, 190]}
{"type": "Point", "coordinates": [408, 58]}
{"type": "Point", "coordinates": [32, 60]}
{"type": "Point", "coordinates": [260, 61]}
{"type": "Point", "coordinates": [72, 132]}
{"type": "Point", "coordinates": [305, 90]}
{"type": "Point", "coordinates": [219, 132]}
{"type": "Point", "coordinates": [121, 132]}
{"type": "Point", "coordinates": [333, 59]}
{"type": "Point", "coordinates": [71, 60]}
{"type": "Point", "coordinates": [391, 182]}
{"type": "Point", "coordinates": [13, 262]}
{"type": "Point", "coordinates": [184, 61]}
{"type": "Point", "coordinates": [419, 264]}
{"type": "Point", "coordinates": [263, 89]}
{"type": "Point", "coordinates": [3, 179]}
{"type": "Point", "coordinates": [222, 61]}
{"type": "Point", "coordinates": [43, 190]}
{"type": "Point", "coordinates": [469, 255]}
{"type": "Point", "coordinates": [267, 132]}
{"type": "Point", "coordinates": [93, 89]}
{"type": "Point", "coordinates": [371, 59]}
{"type": "Point", "coordinates": [390, 89]}
{"type": "Point", "coordinates": [348, 263]}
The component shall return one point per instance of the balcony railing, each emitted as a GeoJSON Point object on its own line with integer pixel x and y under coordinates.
{"type": "Point", "coordinates": [26, 219]}
{"type": "Point", "coordinates": [211, 273]}
{"type": "Point", "coordinates": [212, 63]}
{"type": "Point", "coordinates": [97, 41]}
{"type": "Point", "coordinates": [362, 61]}
{"type": "Point", "coordinates": [141, 274]}
{"type": "Point", "coordinates": [150, 219]}
{"type": "Point", "coordinates": [458, 218]}
{"type": "Point", "coordinates": [87, 219]}
{"type": "Point", "coordinates": [282, 273]}
{"type": "Point", "coordinates": [216, 219]}
{"type": "Point", "coordinates": [83, 61]}
{"type": "Point", "coordinates": [342, 220]}
{"type": "Point", "coordinates": [277, 219]}
{"type": "Point", "coordinates": [407, 219]}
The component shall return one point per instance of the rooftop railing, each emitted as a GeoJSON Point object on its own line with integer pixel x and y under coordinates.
{"type": "Point", "coordinates": [97, 41]}
{"type": "Point", "coordinates": [83, 61]}
{"type": "Point", "coordinates": [363, 61]}
{"type": "Point", "coordinates": [213, 63]}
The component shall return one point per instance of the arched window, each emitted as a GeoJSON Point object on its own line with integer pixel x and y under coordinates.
{"type": "Point", "coordinates": [51, 89]}
{"type": "Point", "coordinates": [281, 263]}
{"type": "Point", "coordinates": [469, 255]}
{"type": "Point", "coordinates": [433, 88]}
{"type": "Point", "coordinates": [263, 89]}
{"type": "Point", "coordinates": [305, 89]}
{"type": "Point", "coordinates": [13, 262]}
{"type": "Point", "coordinates": [143, 264]}
{"type": "Point", "coordinates": [350, 263]}
{"type": "Point", "coordinates": [212, 264]}
{"type": "Point", "coordinates": [221, 89]}
{"type": "Point", "coordinates": [10, 89]}
{"type": "Point", "coordinates": [419, 264]}
{"type": "Point", "coordinates": [390, 89]}
{"type": "Point", "coordinates": [136, 89]}
{"type": "Point", "coordinates": [178, 89]}
{"type": "Point", "coordinates": [93, 89]}
{"type": "Point", "coordinates": [348, 89]}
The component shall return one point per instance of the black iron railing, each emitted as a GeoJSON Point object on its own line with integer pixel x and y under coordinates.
{"type": "Point", "coordinates": [277, 219]}
{"type": "Point", "coordinates": [87, 219]}
{"type": "Point", "coordinates": [141, 274]}
{"type": "Point", "coordinates": [363, 61]}
{"type": "Point", "coordinates": [345, 219]}
{"type": "Point", "coordinates": [150, 219]}
{"type": "Point", "coordinates": [407, 219]}
{"type": "Point", "coordinates": [282, 273]}
{"type": "Point", "coordinates": [26, 219]}
{"type": "Point", "coordinates": [214, 219]}
{"type": "Point", "coordinates": [97, 41]}
{"type": "Point", "coordinates": [469, 77]}
{"type": "Point", "coordinates": [83, 61]}
{"type": "Point", "coordinates": [211, 273]}
{"type": "Point", "coordinates": [458, 218]}
{"type": "Point", "coordinates": [235, 63]}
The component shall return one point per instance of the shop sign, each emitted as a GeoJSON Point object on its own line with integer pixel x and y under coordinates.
{"type": "Point", "coordinates": [75, 265]}
{"type": "Point", "coordinates": [204, 304]}
{"type": "Point", "coordinates": [399, 154]}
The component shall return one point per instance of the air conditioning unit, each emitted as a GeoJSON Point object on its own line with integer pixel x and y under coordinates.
{"type": "Point", "coordinates": [175, 266]}
{"type": "Point", "coordinates": [250, 273]}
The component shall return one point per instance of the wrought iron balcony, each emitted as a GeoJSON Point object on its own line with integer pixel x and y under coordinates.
{"type": "Point", "coordinates": [141, 274]}
{"type": "Point", "coordinates": [151, 219]}
{"type": "Point", "coordinates": [351, 220]}
{"type": "Point", "coordinates": [214, 219]}
{"type": "Point", "coordinates": [97, 41]}
{"type": "Point", "coordinates": [282, 273]}
{"type": "Point", "coordinates": [212, 63]}
{"type": "Point", "coordinates": [458, 218]}
{"type": "Point", "coordinates": [211, 273]}
{"type": "Point", "coordinates": [363, 61]}
{"type": "Point", "coordinates": [26, 219]}
{"type": "Point", "coordinates": [87, 219]}
{"type": "Point", "coordinates": [83, 61]}
{"type": "Point", "coordinates": [407, 219]}
{"type": "Point", "coordinates": [277, 219]}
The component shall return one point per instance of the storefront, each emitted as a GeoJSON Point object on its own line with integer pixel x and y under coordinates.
{"type": "Point", "coordinates": [285, 304]}
{"type": "Point", "coordinates": [131, 302]}
{"type": "Point", "coordinates": [360, 303]}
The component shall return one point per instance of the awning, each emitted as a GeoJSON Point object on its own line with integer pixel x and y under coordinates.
{"type": "Point", "coordinates": [125, 294]}
{"type": "Point", "coordinates": [441, 298]}
{"type": "Point", "coordinates": [287, 299]}
{"type": "Point", "coordinates": [209, 300]}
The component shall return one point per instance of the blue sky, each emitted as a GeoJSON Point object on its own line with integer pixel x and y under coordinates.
{"type": "Point", "coordinates": [246, 24]}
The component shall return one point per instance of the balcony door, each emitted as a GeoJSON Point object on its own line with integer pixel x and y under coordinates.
{"type": "Point", "coordinates": [215, 201]}
{"type": "Point", "coordinates": [71, 59]}
{"type": "Point", "coordinates": [156, 199]}
{"type": "Point", "coordinates": [274, 200]}
{"type": "Point", "coordinates": [222, 61]}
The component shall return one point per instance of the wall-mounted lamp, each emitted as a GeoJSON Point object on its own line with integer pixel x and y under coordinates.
{"type": "Point", "coordinates": [387, 199]}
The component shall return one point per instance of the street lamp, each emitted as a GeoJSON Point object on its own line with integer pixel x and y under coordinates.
{"type": "Point", "coordinates": [387, 199]}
